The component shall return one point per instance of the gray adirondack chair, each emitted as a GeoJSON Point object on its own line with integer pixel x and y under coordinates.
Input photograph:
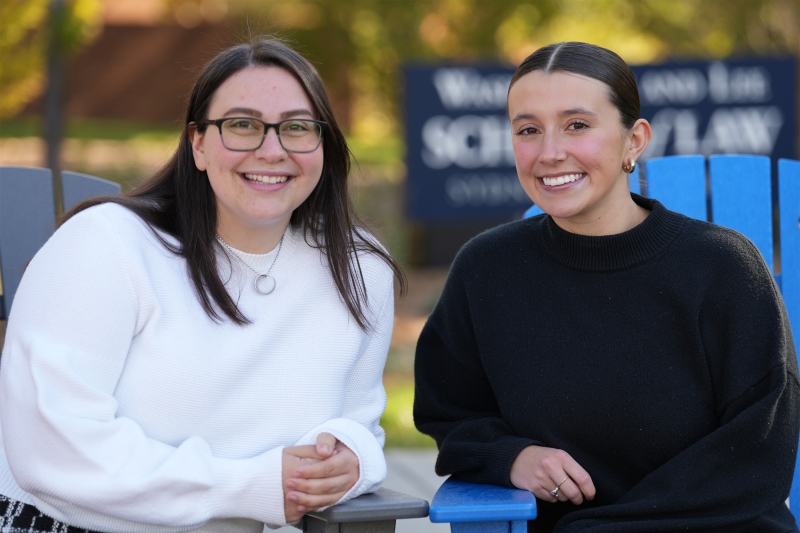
{"type": "Point", "coordinates": [27, 220]}
{"type": "Point", "coordinates": [27, 216]}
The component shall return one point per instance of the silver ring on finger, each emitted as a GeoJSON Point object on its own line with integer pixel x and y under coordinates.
{"type": "Point", "coordinates": [554, 492]}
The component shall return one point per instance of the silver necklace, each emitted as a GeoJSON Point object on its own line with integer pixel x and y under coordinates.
{"type": "Point", "coordinates": [264, 283]}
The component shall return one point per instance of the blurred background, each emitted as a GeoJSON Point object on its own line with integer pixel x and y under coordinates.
{"type": "Point", "coordinates": [98, 86]}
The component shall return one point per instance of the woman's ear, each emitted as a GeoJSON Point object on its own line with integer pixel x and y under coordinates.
{"type": "Point", "coordinates": [639, 137]}
{"type": "Point", "coordinates": [198, 149]}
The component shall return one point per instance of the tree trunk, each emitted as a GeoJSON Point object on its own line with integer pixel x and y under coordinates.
{"type": "Point", "coordinates": [54, 100]}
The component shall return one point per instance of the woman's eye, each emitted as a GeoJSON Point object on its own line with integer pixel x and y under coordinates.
{"type": "Point", "coordinates": [528, 130]}
{"type": "Point", "coordinates": [295, 126]}
{"type": "Point", "coordinates": [242, 124]}
{"type": "Point", "coordinates": [578, 125]}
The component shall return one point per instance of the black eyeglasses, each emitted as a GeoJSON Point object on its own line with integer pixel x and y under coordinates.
{"type": "Point", "coordinates": [245, 134]}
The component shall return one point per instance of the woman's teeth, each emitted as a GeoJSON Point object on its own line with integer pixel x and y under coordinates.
{"type": "Point", "coordinates": [561, 180]}
{"type": "Point", "coordinates": [266, 179]}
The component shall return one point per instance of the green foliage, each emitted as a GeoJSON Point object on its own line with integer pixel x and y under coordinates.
{"type": "Point", "coordinates": [75, 23]}
{"type": "Point", "coordinates": [25, 27]}
{"type": "Point", "coordinates": [22, 46]}
{"type": "Point", "coordinates": [360, 46]}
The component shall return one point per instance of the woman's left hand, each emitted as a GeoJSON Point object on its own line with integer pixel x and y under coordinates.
{"type": "Point", "coordinates": [323, 483]}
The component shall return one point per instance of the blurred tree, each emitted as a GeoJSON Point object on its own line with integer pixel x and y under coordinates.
{"type": "Point", "coordinates": [24, 42]}
{"type": "Point", "coordinates": [360, 46]}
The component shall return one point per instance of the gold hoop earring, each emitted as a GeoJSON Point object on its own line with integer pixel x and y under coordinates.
{"type": "Point", "coordinates": [630, 167]}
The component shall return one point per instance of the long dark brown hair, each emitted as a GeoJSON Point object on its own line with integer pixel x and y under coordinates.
{"type": "Point", "coordinates": [178, 199]}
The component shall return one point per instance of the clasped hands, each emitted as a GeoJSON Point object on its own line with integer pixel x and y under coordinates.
{"type": "Point", "coordinates": [540, 470]}
{"type": "Point", "coordinates": [317, 475]}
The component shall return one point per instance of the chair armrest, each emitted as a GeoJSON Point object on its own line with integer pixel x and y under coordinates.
{"type": "Point", "coordinates": [385, 504]}
{"type": "Point", "coordinates": [457, 501]}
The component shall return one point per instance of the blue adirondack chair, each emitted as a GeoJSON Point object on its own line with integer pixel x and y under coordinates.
{"type": "Point", "coordinates": [27, 220]}
{"type": "Point", "coordinates": [741, 199]}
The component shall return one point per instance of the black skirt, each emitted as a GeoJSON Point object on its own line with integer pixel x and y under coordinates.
{"type": "Point", "coordinates": [18, 517]}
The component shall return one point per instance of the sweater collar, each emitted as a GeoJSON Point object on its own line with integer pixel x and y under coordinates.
{"type": "Point", "coordinates": [613, 252]}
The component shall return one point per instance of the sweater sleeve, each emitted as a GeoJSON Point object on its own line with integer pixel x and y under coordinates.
{"type": "Point", "coordinates": [454, 402]}
{"type": "Point", "coordinates": [741, 472]}
{"type": "Point", "coordinates": [74, 317]}
{"type": "Point", "coordinates": [365, 400]}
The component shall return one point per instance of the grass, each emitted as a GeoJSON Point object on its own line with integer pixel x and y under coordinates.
{"type": "Point", "coordinates": [85, 128]}
{"type": "Point", "coordinates": [398, 420]}
{"type": "Point", "coordinates": [384, 151]}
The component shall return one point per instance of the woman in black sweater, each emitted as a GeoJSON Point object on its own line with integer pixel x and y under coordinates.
{"type": "Point", "coordinates": [631, 367]}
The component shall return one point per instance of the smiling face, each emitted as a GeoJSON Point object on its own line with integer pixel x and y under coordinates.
{"type": "Point", "coordinates": [569, 148]}
{"type": "Point", "coordinates": [257, 191]}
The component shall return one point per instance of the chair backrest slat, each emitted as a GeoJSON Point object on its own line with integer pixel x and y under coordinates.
{"type": "Point", "coordinates": [79, 187]}
{"type": "Point", "coordinates": [27, 220]}
{"type": "Point", "coordinates": [27, 217]}
{"type": "Point", "coordinates": [679, 182]}
{"type": "Point", "coordinates": [741, 198]}
{"type": "Point", "coordinates": [789, 205]}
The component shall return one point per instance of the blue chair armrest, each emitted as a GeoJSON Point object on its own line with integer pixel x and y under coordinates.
{"type": "Point", "coordinates": [486, 507]}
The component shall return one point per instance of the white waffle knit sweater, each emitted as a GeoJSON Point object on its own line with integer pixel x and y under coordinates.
{"type": "Point", "coordinates": [125, 408]}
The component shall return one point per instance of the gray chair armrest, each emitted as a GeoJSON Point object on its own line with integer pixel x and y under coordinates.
{"type": "Point", "coordinates": [369, 513]}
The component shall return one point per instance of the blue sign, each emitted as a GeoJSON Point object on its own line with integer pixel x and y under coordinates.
{"type": "Point", "coordinates": [460, 159]}
{"type": "Point", "coordinates": [723, 107]}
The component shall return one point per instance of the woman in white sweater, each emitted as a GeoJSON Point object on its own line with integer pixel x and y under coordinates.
{"type": "Point", "coordinates": [205, 353]}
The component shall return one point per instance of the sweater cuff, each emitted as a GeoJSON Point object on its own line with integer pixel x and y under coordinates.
{"type": "Point", "coordinates": [251, 488]}
{"type": "Point", "coordinates": [371, 462]}
{"type": "Point", "coordinates": [507, 452]}
{"type": "Point", "coordinates": [499, 457]}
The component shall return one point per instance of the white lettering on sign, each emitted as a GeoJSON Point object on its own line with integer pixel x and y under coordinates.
{"type": "Point", "coordinates": [484, 190]}
{"type": "Point", "coordinates": [743, 130]}
{"type": "Point", "coordinates": [466, 88]}
{"type": "Point", "coordinates": [737, 130]}
{"type": "Point", "coordinates": [681, 86]}
{"type": "Point", "coordinates": [689, 86]}
{"type": "Point", "coordinates": [469, 141]}
{"type": "Point", "coordinates": [738, 85]}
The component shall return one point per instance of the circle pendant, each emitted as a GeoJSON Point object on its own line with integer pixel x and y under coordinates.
{"type": "Point", "coordinates": [264, 284]}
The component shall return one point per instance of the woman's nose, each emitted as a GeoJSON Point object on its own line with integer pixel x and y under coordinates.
{"type": "Point", "coordinates": [552, 149]}
{"type": "Point", "coordinates": [271, 149]}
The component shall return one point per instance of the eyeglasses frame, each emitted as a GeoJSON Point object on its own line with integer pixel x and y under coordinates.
{"type": "Point", "coordinates": [267, 126]}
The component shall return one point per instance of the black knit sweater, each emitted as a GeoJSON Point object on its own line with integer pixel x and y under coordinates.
{"type": "Point", "coordinates": [660, 359]}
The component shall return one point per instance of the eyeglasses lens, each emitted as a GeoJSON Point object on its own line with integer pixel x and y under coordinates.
{"type": "Point", "coordinates": [294, 135]}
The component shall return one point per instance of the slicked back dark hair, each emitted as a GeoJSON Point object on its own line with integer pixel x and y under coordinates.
{"type": "Point", "coordinates": [593, 62]}
{"type": "Point", "coordinates": [179, 200]}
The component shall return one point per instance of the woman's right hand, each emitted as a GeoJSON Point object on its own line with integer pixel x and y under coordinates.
{"type": "Point", "coordinates": [294, 457]}
{"type": "Point", "coordinates": [329, 470]}
{"type": "Point", "coordinates": [540, 470]}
